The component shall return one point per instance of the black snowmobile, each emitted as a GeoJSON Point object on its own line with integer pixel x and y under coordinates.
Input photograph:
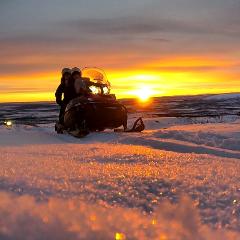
{"type": "Point", "coordinates": [97, 110]}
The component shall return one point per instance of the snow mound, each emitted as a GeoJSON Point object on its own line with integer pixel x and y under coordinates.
{"type": "Point", "coordinates": [218, 135]}
{"type": "Point", "coordinates": [61, 219]}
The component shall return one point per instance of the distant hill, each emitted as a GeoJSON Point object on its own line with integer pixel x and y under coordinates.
{"type": "Point", "coordinates": [224, 96]}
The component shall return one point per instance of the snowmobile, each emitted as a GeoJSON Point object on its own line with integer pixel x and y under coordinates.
{"type": "Point", "coordinates": [97, 110]}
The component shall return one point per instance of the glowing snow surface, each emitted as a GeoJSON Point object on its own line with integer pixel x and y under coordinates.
{"type": "Point", "coordinates": [177, 180]}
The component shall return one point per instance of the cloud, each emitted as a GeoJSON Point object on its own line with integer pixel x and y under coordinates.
{"type": "Point", "coordinates": [136, 25]}
{"type": "Point", "coordinates": [12, 69]}
{"type": "Point", "coordinates": [186, 67]}
{"type": "Point", "coordinates": [44, 36]}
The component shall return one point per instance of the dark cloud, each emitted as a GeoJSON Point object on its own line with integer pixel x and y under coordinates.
{"type": "Point", "coordinates": [136, 25]}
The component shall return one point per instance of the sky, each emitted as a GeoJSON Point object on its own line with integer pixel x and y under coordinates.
{"type": "Point", "coordinates": [176, 47]}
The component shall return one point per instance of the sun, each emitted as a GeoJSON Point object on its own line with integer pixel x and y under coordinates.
{"type": "Point", "coordinates": [144, 94]}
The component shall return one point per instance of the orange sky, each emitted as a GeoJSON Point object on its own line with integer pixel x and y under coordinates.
{"type": "Point", "coordinates": [170, 76]}
{"type": "Point", "coordinates": [176, 47]}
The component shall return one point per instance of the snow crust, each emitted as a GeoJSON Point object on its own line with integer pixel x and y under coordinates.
{"type": "Point", "coordinates": [177, 180]}
{"type": "Point", "coordinates": [24, 218]}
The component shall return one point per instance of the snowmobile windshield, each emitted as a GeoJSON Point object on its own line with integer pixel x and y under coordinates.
{"type": "Point", "coordinates": [98, 77]}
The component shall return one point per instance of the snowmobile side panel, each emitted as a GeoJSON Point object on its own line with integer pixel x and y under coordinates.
{"type": "Point", "coordinates": [98, 115]}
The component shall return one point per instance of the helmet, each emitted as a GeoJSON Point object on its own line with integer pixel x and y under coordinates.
{"type": "Point", "coordinates": [75, 70]}
{"type": "Point", "coordinates": [66, 70]}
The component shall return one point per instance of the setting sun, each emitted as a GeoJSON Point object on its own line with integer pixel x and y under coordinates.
{"type": "Point", "coordinates": [144, 93]}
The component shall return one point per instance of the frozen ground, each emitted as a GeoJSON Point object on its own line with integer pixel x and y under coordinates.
{"type": "Point", "coordinates": [177, 180]}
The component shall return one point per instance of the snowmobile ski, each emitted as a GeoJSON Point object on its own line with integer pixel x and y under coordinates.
{"type": "Point", "coordinates": [78, 133]}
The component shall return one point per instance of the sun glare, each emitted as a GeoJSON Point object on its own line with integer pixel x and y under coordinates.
{"type": "Point", "coordinates": [143, 94]}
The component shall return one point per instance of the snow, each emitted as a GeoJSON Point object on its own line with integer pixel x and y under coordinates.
{"type": "Point", "coordinates": [223, 96]}
{"type": "Point", "coordinates": [179, 179]}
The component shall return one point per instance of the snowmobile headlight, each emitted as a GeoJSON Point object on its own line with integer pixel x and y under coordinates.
{"type": "Point", "coordinates": [8, 123]}
{"type": "Point", "coordinates": [94, 90]}
{"type": "Point", "coordinates": [106, 90]}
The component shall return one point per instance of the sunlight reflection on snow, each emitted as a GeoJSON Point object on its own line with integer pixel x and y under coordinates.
{"type": "Point", "coordinates": [69, 219]}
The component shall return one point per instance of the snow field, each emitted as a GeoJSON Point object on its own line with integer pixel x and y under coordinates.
{"type": "Point", "coordinates": [177, 180]}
